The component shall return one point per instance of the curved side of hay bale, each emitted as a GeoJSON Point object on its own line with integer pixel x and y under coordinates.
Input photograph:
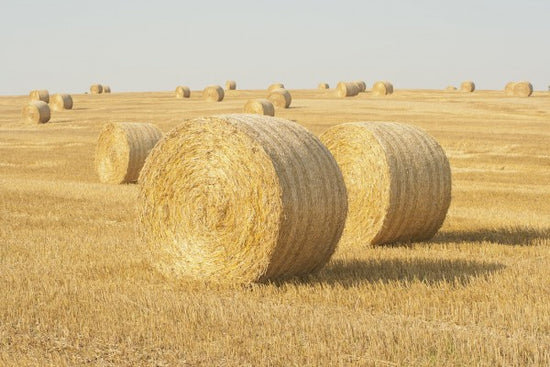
{"type": "Point", "coordinates": [183, 91]}
{"type": "Point", "coordinates": [37, 112]}
{"type": "Point", "coordinates": [106, 89]}
{"type": "Point", "coordinates": [362, 85]}
{"type": "Point", "coordinates": [213, 93]}
{"type": "Point", "coordinates": [522, 89]}
{"type": "Point", "coordinates": [61, 102]}
{"type": "Point", "coordinates": [467, 86]}
{"type": "Point", "coordinates": [398, 181]}
{"type": "Point", "coordinates": [450, 88]}
{"type": "Point", "coordinates": [382, 88]}
{"type": "Point", "coordinates": [509, 89]}
{"type": "Point", "coordinates": [239, 199]}
{"type": "Point", "coordinates": [122, 149]}
{"type": "Point", "coordinates": [274, 86]}
{"type": "Point", "coordinates": [347, 89]}
{"type": "Point", "coordinates": [40, 95]}
{"type": "Point", "coordinates": [260, 106]}
{"type": "Point", "coordinates": [323, 86]}
{"type": "Point", "coordinates": [230, 85]}
{"type": "Point", "coordinates": [96, 89]}
{"type": "Point", "coordinates": [281, 98]}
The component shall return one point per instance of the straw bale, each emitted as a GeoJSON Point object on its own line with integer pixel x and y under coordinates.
{"type": "Point", "coordinates": [275, 86]}
{"type": "Point", "coordinates": [61, 102]}
{"type": "Point", "coordinates": [213, 93]}
{"type": "Point", "coordinates": [37, 112]}
{"type": "Point", "coordinates": [230, 85]}
{"type": "Point", "coordinates": [450, 88]}
{"type": "Point", "coordinates": [280, 98]}
{"type": "Point", "coordinates": [96, 89]}
{"type": "Point", "coordinates": [106, 89]}
{"type": "Point", "coordinates": [183, 91]}
{"type": "Point", "coordinates": [467, 86]}
{"type": "Point", "coordinates": [323, 86]}
{"type": "Point", "coordinates": [362, 85]}
{"type": "Point", "coordinates": [522, 89]}
{"type": "Point", "coordinates": [382, 88]}
{"type": "Point", "coordinates": [347, 89]}
{"type": "Point", "coordinates": [40, 95]}
{"type": "Point", "coordinates": [260, 106]}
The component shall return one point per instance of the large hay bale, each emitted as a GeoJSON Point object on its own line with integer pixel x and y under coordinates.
{"type": "Point", "coordinates": [213, 93]}
{"type": "Point", "coordinates": [398, 181]}
{"type": "Point", "coordinates": [61, 102]}
{"type": "Point", "coordinates": [121, 150]}
{"type": "Point", "coordinates": [106, 89]}
{"type": "Point", "coordinates": [230, 85]}
{"type": "Point", "coordinates": [323, 86]}
{"type": "Point", "coordinates": [260, 106]}
{"type": "Point", "coordinates": [522, 89]}
{"type": "Point", "coordinates": [280, 98]}
{"type": "Point", "coordinates": [382, 88]}
{"type": "Point", "coordinates": [96, 89]}
{"type": "Point", "coordinates": [467, 86]}
{"type": "Point", "coordinates": [183, 91]}
{"type": "Point", "coordinates": [239, 199]}
{"type": "Point", "coordinates": [37, 112]}
{"type": "Point", "coordinates": [362, 85]}
{"type": "Point", "coordinates": [274, 86]}
{"type": "Point", "coordinates": [347, 89]}
{"type": "Point", "coordinates": [40, 95]}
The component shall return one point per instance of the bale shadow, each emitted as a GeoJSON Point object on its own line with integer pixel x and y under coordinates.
{"type": "Point", "coordinates": [513, 236]}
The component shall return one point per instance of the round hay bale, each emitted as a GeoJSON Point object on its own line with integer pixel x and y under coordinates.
{"type": "Point", "coordinates": [183, 91]}
{"type": "Point", "coordinates": [230, 85]}
{"type": "Point", "coordinates": [362, 85]}
{"type": "Point", "coordinates": [523, 89]}
{"type": "Point", "coordinates": [274, 86]}
{"type": "Point", "coordinates": [382, 88]}
{"type": "Point", "coordinates": [96, 89]}
{"type": "Point", "coordinates": [347, 89]}
{"type": "Point", "coordinates": [280, 98]}
{"type": "Point", "coordinates": [450, 88]}
{"type": "Point", "coordinates": [467, 86]}
{"type": "Point", "coordinates": [213, 93]}
{"type": "Point", "coordinates": [106, 89]}
{"type": "Point", "coordinates": [509, 89]}
{"type": "Point", "coordinates": [121, 150]}
{"type": "Point", "coordinates": [40, 95]}
{"type": "Point", "coordinates": [61, 102]}
{"type": "Point", "coordinates": [398, 181]}
{"type": "Point", "coordinates": [239, 199]}
{"type": "Point", "coordinates": [260, 106]}
{"type": "Point", "coordinates": [323, 86]}
{"type": "Point", "coordinates": [37, 112]}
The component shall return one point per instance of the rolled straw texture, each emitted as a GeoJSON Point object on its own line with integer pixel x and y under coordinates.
{"type": "Point", "coordinates": [96, 89]}
{"type": "Point", "coordinates": [398, 181]}
{"type": "Point", "coordinates": [323, 86]}
{"type": "Point", "coordinates": [509, 89]}
{"type": "Point", "coordinates": [260, 106]}
{"type": "Point", "coordinates": [37, 112]}
{"type": "Point", "coordinates": [382, 88]}
{"type": "Point", "coordinates": [183, 91]}
{"type": "Point", "coordinates": [61, 102]}
{"type": "Point", "coordinates": [280, 98]}
{"type": "Point", "coordinates": [347, 89]}
{"type": "Point", "coordinates": [106, 89]}
{"type": "Point", "coordinates": [523, 89]}
{"type": "Point", "coordinates": [239, 199]}
{"type": "Point", "coordinates": [275, 86]}
{"type": "Point", "coordinates": [362, 85]}
{"type": "Point", "coordinates": [467, 86]}
{"type": "Point", "coordinates": [213, 93]}
{"type": "Point", "coordinates": [121, 150]}
{"type": "Point", "coordinates": [230, 85]}
{"type": "Point", "coordinates": [40, 95]}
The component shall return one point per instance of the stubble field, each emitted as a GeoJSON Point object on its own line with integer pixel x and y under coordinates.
{"type": "Point", "coordinates": [76, 286]}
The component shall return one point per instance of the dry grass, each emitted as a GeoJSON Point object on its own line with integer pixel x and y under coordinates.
{"type": "Point", "coordinates": [77, 287]}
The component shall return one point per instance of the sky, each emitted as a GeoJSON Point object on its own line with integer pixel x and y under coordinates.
{"type": "Point", "coordinates": [156, 45]}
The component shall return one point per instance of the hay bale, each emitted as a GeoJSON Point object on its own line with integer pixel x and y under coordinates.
{"type": "Point", "coordinates": [280, 98]}
{"type": "Point", "coordinates": [323, 86]}
{"type": "Point", "coordinates": [398, 181]}
{"type": "Point", "coordinates": [274, 86]}
{"type": "Point", "coordinates": [40, 95]}
{"type": "Point", "coordinates": [213, 93]}
{"type": "Point", "coordinates": [37, 112]}
{"type": "Point", "coordinates": [60, 102]}
{"type": "Point", "coordinates": [382, 88]}
{"type": "Point", "coordinates": [260, 106]}
{"type": "Point", "coordinates": [241, 198]}
{"type": "Point", "coordinates": [362, 85]}
{"type": "Point", "coordinates": [96, 89]}
{"type": "Point", "coordinates": [347, 89]}
{"type": "Point", "coordinates": [509, 89]}
{"type": "Point", "coordinates": [450, 88]}
{"type": "Point", "coordinates": [121, 150]}
{"type": "Point", "coordinates": [523, 89]}
{"type": "Point", "coordinates": [467, 86]}
{"type": "Point", "coordinates": [183, 91]}
{"type": "Point", "coordinates": [230, 85]}
{"type": "Point", "coordinates": [106, 89]}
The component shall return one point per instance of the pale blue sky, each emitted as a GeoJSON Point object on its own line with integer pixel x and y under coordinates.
{"type": "Point", "coordinates": [64, 46]}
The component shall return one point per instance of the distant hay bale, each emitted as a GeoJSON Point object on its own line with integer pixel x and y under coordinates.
{"type": "Point", "coordinates": [213, 93]}
{"type": "Point", "coordinates": [183, 91]}
{"type": "Point", "coordinates": [230, 85]}
{"type": "Point", "coordinates": [61, 102]}
{"type": "Point", "coordinates": [40, 95]}
{"type": "Point", "coordinates": [106, 89]}
{"type": "Point", "coordinates": [323, 86]}
{"type": "Point", "coordinates": [37, 112]}
{"type": "Point", "coordinates": [398, 182]}
{"type": "Point", "coordinates": [523, 89]}
{"type": "Point", "coordinates": [382, 88]}
{"type": "Point", "coordinates": [467, 86]}
{"type": "Point", "coordinates": [450, 88]}
{"type": "Point", "coordinates": [96, 89]}
{"type": "Point", "coordinates": [362, 85]}
{"type": "Point", "coordinates": [280, 98]}
{"type": "Point", "coordinates": [274, 86]}
{"type": "Point", "coordinates": [239, 199]}
{"type": "Point", "coordinates": [260, 106]}
{"type": "Point", "coordinates": [121, 150]}
{"type": "Point", "coordinates": [347, 89]}
{"type": "Point", "coordinates": [509, 89]}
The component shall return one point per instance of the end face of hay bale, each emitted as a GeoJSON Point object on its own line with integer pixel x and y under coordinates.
{"type": "Point", "coordinates": [230, 85]}
{"type": "Point", "coordinates": [522, 89]}
{"type": "Point", "coordinates": [106, 89]}
{"type": "Point", "coordinates": [382, 88]}
{"type": "Point", "coordinates": [96, 89]}
{"type": "Point", "coordinates": [260, 106]}
{"type": "Point", "coordinates": [239, 199]}
{"type": "Point", "coordinates": [509, 89]}
{"type": "Point", "coordinates": [467, 86]}
{"type": "Point", "coordinates": [183, 91]}
{"type": "Point", "coordinates": [280, 98]}
{"type": "Point", "coordinates": [323, 86]}
{"type": "Point", "coordinates": [61, 102]}
{"type": "Point", "coordinates": [122, 149]}
{"type": "Point", "coordinates": [274, 86]}
{"type": "Point", "coordinates": [347, 89]}
{"type": "Point", "coordinates": [398, 181]}
{"type": "Point", "coordinates": [37, 112]}
{"type": "Point", "coordinates": [40, 95]}
{"type": "Point", "coordinates": [213, 93]}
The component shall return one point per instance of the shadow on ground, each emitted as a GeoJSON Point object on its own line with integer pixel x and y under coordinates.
{"type": "Point", "coordinates": [519, 236]}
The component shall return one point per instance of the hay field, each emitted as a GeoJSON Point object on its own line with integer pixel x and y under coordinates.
{"type": "Point", "coordinates": [76, 287]}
